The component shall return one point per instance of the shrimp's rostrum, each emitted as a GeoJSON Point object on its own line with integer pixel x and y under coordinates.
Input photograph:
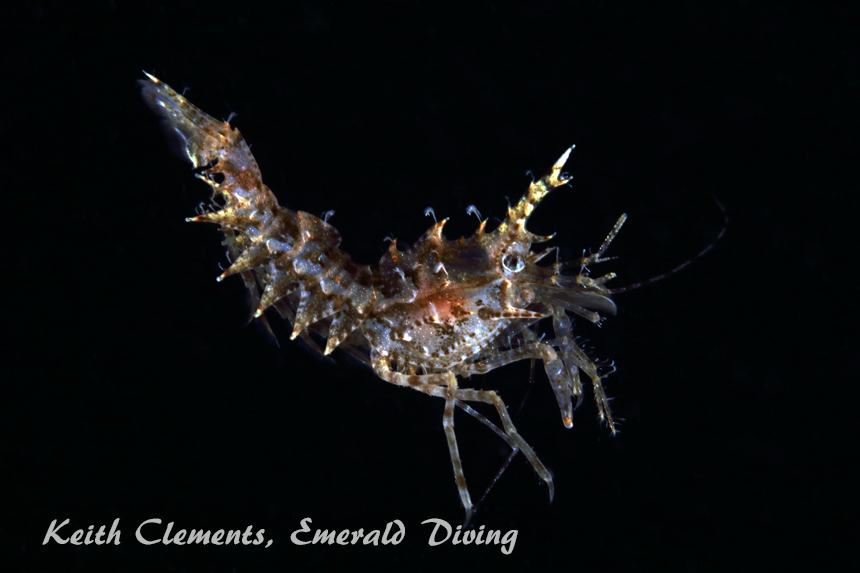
{"type": "Point", "coordinates": [425, 317]}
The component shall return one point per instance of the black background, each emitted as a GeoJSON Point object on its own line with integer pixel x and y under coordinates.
{"type": "Point", "coordinates": [134, 388]}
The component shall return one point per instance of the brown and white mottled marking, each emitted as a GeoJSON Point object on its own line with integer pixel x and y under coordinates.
{"type": "Point", "coordinates": [423, 316]}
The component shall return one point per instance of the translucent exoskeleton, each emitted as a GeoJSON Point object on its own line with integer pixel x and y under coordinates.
{"type": "Point", "coordinates": [427, 317]}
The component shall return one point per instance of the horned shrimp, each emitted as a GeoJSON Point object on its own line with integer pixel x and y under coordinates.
{"type": "Point", "coordinates": [427, 317]}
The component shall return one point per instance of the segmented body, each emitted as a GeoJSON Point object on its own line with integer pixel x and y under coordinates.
{"type": "Point", "coordinates": [423, 316]}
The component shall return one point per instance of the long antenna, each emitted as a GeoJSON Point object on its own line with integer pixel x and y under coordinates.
{"type": "Point", "coordinates": [722, 232]}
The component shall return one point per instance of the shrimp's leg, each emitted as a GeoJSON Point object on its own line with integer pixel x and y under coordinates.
{"type": "Point", "coordinates": [564, 380]}
{"type": "Point", "coordinates": [575, 358]}
{"type": "Point", "coordinates": [571, 352]}
{"type": "Point", "coordinates": [441, 385]}
{"type": "Point", "coordinates": [483, 419]}
{"type": "Point", "coordinates": [490, 397]}
{"type": "Point", "coordinates": [562, 367]}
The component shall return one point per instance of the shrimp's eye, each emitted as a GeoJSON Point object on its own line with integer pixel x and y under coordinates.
{"type": "Point", "coordinates": [513, 263]}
